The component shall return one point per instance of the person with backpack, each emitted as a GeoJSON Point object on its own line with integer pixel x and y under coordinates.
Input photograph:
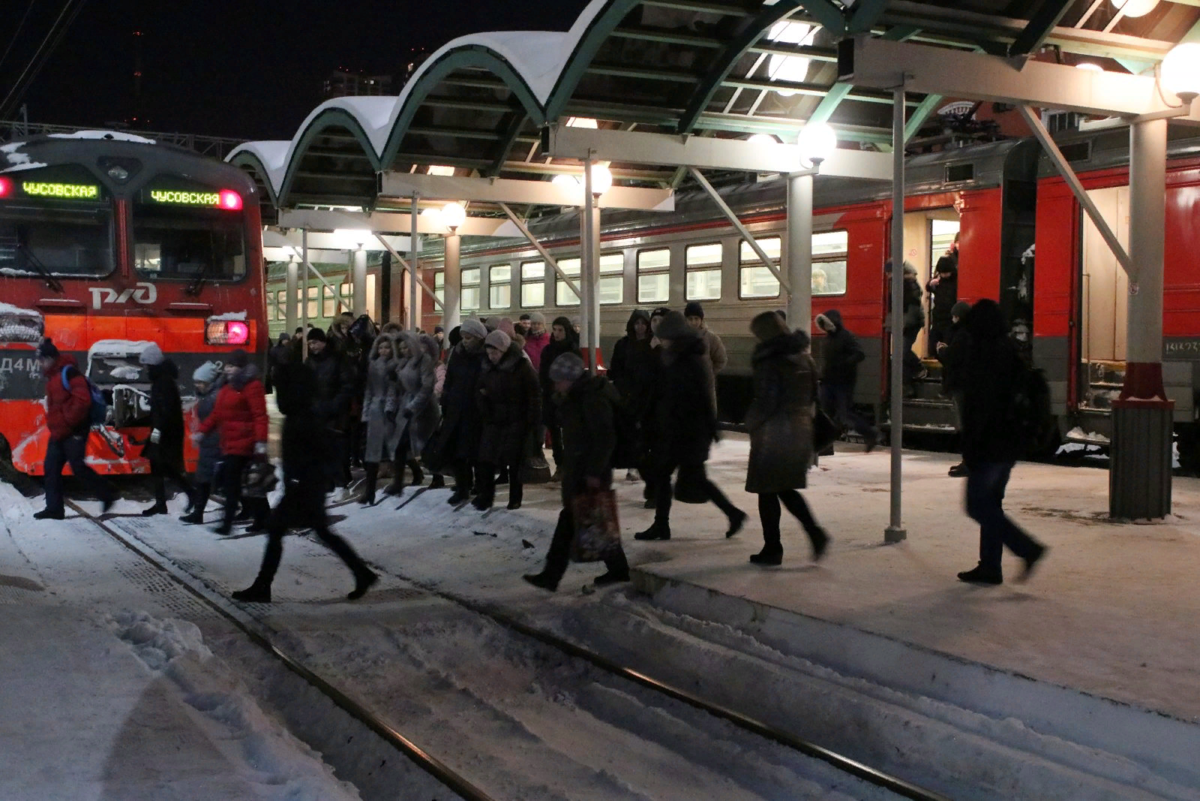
{"type": "Point", "coordinates": [587, 413]}
{"type": "Point", "coordinates": [993, 378]}
{"type": "Point", "coordinates": [164, 445]}
{"type": "Point", "coordinates": [71, 410]}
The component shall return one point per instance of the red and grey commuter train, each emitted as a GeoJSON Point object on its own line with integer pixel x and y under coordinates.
{"type": "Point", "coordinates": [1022, 241]}
{"type": "Point", "coordinates": [109, 242]}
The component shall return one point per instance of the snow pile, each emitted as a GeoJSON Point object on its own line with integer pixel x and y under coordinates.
{"type": "Point", "coordinates": [286, 768]}
{"type": "Point", "coordinates": [228, 317]}
{"type": "Point", "coordinates": [118, 136]}
{"type": "Point", "coordinates": [20, 325]}
{"type": "Point", "coordinates": [1079, 435]}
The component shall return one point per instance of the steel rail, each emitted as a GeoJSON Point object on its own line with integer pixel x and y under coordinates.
{"type": "Point", "coordinates": [845, 764]}
{"type": "Point", "coordinates": [421, 758]}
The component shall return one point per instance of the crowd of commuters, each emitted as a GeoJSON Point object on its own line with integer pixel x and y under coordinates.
{"type": "Point", "coordinates": [479, 404]}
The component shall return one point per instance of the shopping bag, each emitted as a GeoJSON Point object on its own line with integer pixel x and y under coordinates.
{"type": "Point", "coordinates": [597, 530]}
{"type": "Point", "coordinates": [825, 431]}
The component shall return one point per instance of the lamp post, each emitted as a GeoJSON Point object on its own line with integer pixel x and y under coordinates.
{"type": "Point", "coordinates": [816, 143]}
{"type": "Point", "coordinates": [453, 216]}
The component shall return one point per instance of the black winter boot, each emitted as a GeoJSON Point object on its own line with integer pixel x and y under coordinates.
{"type": "Point", "coordinates": [657, 531]}
{"type": "Point", "coordinates": [543, 581]}
{"type": "Point", "coordinates": [418, 477]}
{"type": "Point", "coordinates": [364, 578]}
{"type": "Point", "coordinates": [770, 556]}
{"type": "Point", "coordinates": [256, 593]}
{"type": "Point", "coordinates": [982, 575]}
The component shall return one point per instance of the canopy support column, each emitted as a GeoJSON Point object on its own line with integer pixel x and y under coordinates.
{"type": "Point", "coordinates": [293, 280]}
{"type": "Point", "coordinates": [452, 281]}
{"type": "Point", "coordinates": [799, 251]}
{"type": "Point", "coordinates": [895, 531]}
{"type": "Point", "coordinates": [414, 264]}
{"type": "Point", "coordinates": [360, 283]}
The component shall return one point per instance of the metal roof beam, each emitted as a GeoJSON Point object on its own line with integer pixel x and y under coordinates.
{"type": "Point", "coordinates": [470, 105]}
{"type": "Point", "coordinates": [510, 190]}
{"type": "Point", "coordinates": [382, 222]}
{"type": "Point", "coordinates": [935, 70]}
{"type": "Point", "coordinates": [662, 36]}
{"type": "Point", "coordinates": [706, 153]}
{"type": "Point", "coordinates": [784, 126]}
{"type": "Point", "coordinates": [618, 71]}
{"type": "Point", "coordinates": [1044, 21]}
{"type": "Point", "coordinates": [341, 242]}
{"type": "Point", "coordinates": [866, 13]}
{"type": "Point", "coordinates": [701, 7]}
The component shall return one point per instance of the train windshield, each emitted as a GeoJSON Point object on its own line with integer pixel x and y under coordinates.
{"type": "Point", "coordinates": [185, 231]}
{"type": "Point", "coordinates": [56, 220]}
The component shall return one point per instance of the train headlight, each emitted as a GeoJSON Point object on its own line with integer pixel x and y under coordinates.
{"type": "Point", "coordinates": [5, 187]}
{"type": "Point", "coordinates": [227, 332]}
{"type": "Point", "coordinates": [229, 200]}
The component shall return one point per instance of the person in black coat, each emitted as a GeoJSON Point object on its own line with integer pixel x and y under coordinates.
{"type": "Point", "coordinates": [587, 411]}
{"type": "Point", "coordinates": [563, 339]}
{"type": "Point", "coordinates": [685, 426]}
{"type": "Point", "coordinates": [276, 356]}
{"type": "Point", "coordinates": [306, 450]}
{"type": "Point", "coordinates": [943, 294]}
{"type": "Point", "coordinates": [164, 446]}
{"type": "Point", "coordinates": [633, 370]}
{"type": "Point", "coordinates": [336, 384]}
{"type": "Point", "coordinates": [509, 404]}
{"type": "Point", "coordinates": [458, 436]}
{"type": "Point", "coordinates": [840, 357]}
{"type": "Point", "coordinates": [990, 446]}
{"type": "Point", "coordinates": [953, 354]}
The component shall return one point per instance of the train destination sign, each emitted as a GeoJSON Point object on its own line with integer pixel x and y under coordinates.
{"type": "Point", "coordinates": [184, 198]}
{"type": "Point", "coordinates": [61, 191]}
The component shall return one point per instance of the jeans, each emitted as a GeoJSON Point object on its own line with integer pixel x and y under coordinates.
{"type": "Point", "coordinates": [836, 400]}
{"type": "Point", "coordinates": [985, 498]}
{"type": "Point", "coordinates": [560, 550]}
{"type": "Point", "coordinates": [69, 450]}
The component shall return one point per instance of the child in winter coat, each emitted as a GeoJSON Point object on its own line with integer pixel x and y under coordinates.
{"type": "Point", "coordinates": [208, 381]}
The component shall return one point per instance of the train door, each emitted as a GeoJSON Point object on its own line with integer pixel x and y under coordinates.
{"type": "Point", "coordinates": [927, 237]}
{"type": "Point", "coordinates": [1103, 289]}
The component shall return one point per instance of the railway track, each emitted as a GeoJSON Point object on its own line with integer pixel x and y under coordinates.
{"type": "Point", "coordinates": [258, 633]}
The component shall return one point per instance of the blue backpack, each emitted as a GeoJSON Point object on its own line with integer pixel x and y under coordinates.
{"type": "Point", "coordinates": [98, 411]}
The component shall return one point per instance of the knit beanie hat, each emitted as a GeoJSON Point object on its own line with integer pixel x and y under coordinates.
{"type": "Point", "coordinates": [239, 358]}
{"type": "Point", "coordinates": [537, 317]}
{"type": "Point", "coordinates": [567, 367]}
{"type": "Point", "coordinates": [498, 340]}
{"type": "Point", "coordinates": [474, 327]}
{"type": "Point", "coordinates": [151, 355]}
{"type": "Point", "coordinates": [316, 335]}
{"type": "Point", "coordinates": [694, 309]}
{"type": "Point", "coordinates": [767, 325]}
{"type": "Point", "coordinates": [47, 350]}
{"type": "Point", "coordinates": [960, 309]}
{"type": "Point", "coordinates": [675, 326]}
{"type": "Point", "coordinates": [206, 373]}
{"type": "Point", "coordinates": [661, 311]}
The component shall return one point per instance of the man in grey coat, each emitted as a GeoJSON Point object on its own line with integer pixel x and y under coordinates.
{"type": "Point", "coordinates": [694, 313]}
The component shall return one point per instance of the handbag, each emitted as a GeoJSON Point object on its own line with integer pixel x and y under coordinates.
{"type": "Point", "coordinates": [691, 485]}
{"type": "Point", "coordinates": [597, 530]}
{"type": "Point", "coordinates": [825, 431]}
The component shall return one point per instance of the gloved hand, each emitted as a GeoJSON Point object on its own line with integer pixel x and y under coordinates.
{"type": "Point", "coordinates": [155, 436]}
{"type": "Point", "coordinates": [260, 449]}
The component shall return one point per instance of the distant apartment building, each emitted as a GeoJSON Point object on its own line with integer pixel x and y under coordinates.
{"type": "Point", "coordinates": [344, 83]}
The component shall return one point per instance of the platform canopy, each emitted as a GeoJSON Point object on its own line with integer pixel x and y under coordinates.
{"type": "Point", "coordinates": [723, 68]}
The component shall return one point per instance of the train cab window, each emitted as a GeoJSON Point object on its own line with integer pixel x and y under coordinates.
{"type": "Point", "coordinates": [184, 231]}
{"type": "Point", "coordinates": [439, 286]}
{"type": "Point", "coordinates": [654, 275]}
{"type": "Point", "coordinates": [500, 286]}
{"type": "Point", "coordinates": [533, 284]}
{"type": "Point", "coordinates": [612, 278]}
{"type": "Point", "coordinates": [704, 271]}
{"type": "Point", "coordinates": [755, 280]}
{"type": "Point", "coordinates": [563, 294]}
{"type": "Point", "coordinates": [57, 220]}
{"type": "Point", "coordinates": [829, 250]}
{"type": "Point", "coordinates": [470, 289]}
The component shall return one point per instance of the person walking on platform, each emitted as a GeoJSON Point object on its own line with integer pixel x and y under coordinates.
{"type": "Point", "coordinates": [840, 358]}
{"type": "Point", "coordinates": [68, 419]}
{"type": "Point", "coordinates": [207, 380]}
{"type": "Point", "coordinates": [510, 406]}
{"type": "Point", "coordinates": [335, 393]}
{"type": "Point", "coordinates": [913, 322]}
{"type": "Point", "coordinates": [460, 421]}
{"type": "Point", "coordinates": [276, 356]}
{"type": "Point", "coordinates": [953, 354]}
{"type": "Point", "coordinates": [781, 433]}
{"type": "Point", "coordinates": [694, 313]}
{"type": "Point", "coordinates": [240, 417]}
{"type": "Point", "coordinates": [685, 426]}
{"type": "Point", "coordinates": [587, 412]}
{"type": "Point", "coordinates": [305, 452]}
{"type": "Point", "coordinates": [379, 406]}
{"type": "Point", "coordinates": [416, 413]}
{"type": "Point", "coordinates": [563, 339]}
{"type": "Point", "coordinates": [991, 445]}
{"type": "Point", "coordinates": [633, 370]}
{"type": "Point", "coordinates": [164, 446]}
{"type": "Point", "coordinates": [943, 294]}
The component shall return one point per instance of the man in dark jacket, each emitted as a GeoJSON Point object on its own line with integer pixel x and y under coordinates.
{"type": "Point", "coordinates": [587, 406]}
{"type": "Point", "coordinates": [335, 386]}
{"type": "Point", "coordinates": [275, 357]}
{"type": "Point", "coordinates": [633, 370]}
{"type": "Point", "coordinates": [68, 409]}
{"type": "Point", "coordinates": [943, 294]}
{"type": "Point", "coordinates": [990, 444]}
{"type": "Point", "coordinates": [458, 437]}
{"type": "Point", "coordinates": [840, 356]}
{"type": "Point", "coordinates": [164, 446]}
{"type": "Point", "coordinates": [953, 354]}
{"type": "Point", "coordinates": [685, 425]}
{"type": "Point", "coordinates": [305, 452]}
{"type": "Point", "coordinates": [563, 339]}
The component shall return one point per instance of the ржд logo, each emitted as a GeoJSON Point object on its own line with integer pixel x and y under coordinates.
{"type": "Point", "coordinates": [143, 293]}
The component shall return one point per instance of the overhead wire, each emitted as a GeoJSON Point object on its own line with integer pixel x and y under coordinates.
{"type": "Point", "coordinates": [17, 32]}
{"type": "Point", "coordinates": [53, 37]}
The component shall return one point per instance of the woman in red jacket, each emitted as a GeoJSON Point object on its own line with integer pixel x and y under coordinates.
{"type": "Point", "coordinates": [240, 419]}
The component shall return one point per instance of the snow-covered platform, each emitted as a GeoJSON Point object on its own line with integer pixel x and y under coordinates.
{"type": "Point", "coordinates": [1110, 612]}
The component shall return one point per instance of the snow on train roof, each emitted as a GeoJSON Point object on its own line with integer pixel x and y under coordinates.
{"type": "Point", "coordinates": [119, 136]}
{"type": "Point", "coordinates": [16, 311]}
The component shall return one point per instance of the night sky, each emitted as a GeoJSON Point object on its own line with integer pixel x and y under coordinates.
{"type": "Point", "coordinates": [242, 68]}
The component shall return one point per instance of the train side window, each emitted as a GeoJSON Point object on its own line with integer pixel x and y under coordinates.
{"type": "Point", "coordinates": [612, 278]}
{"type": "Point", "coordinates": [654, 275]}
{"type": "Point", "coordinates": [704, 271]}
{"type": "Point", "coordinates": [470, 289]}
{"type": "Point", "coordinates": [329, 302]}
{"type": "Point", "coordinates": [500, 286]}
{"type": "Point", "coordinates": [563, 294]}
{"type": "Point", "coordinates": [755, 280]}
{"type": "Point", "coordinates": [829, 250]}
{"type": "Point", "coordinates": [533, 284]}
{"type": "Point", "coordinates": [439, 286]}
{"type": "Point", "coordinates": [312, 303]}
